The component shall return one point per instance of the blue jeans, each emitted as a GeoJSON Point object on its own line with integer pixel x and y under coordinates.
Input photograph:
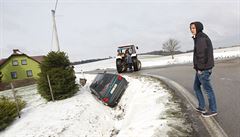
{"type": "Point", "coordinates": [204, 80]}
{"type": "Point", "coordinates": [130, 66]}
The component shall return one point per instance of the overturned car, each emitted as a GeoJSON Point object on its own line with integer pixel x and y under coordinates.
{"type": "Point", "coordinates": [108, 88]}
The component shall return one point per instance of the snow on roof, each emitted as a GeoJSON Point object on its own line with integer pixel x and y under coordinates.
{"type": "Point", "coordinates": [39, 59]}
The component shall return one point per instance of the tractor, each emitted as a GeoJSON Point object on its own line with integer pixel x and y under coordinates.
{"type": "Point", "coordinates": [121, 59]}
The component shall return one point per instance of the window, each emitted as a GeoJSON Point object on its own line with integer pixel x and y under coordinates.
{"type": "Point", "coordinates": [29, 73]}
{"type": "Point", "coordinates": [24, 62]}
{"type": "Point", "coordinates": [14, 75]}
{"type": "Point", "coordinates": [15, 62]}
{"type": "Point", "coordinates": [102, 82]}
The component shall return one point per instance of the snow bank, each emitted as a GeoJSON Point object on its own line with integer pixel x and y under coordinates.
{"type": "Point", "coordinates": [80, 115]}
{"type": "Point", "coordinates": [146, 109]}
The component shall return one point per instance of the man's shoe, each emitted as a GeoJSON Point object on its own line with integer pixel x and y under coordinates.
{"type": "Point", "coordinates": [209, 114]}
{"type": "Point", "coordinates": [200, 110]}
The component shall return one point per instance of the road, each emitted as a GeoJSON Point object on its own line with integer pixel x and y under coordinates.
{"type": "Point", "coordinates": [226, 83]}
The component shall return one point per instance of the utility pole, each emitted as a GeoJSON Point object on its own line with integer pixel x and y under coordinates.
{"type": "Point", "coordinates": [50, 87]}
{"type": "Point", "coordinates": [55, 29]}
{"type": "Point", "coordinates": [1, 28]}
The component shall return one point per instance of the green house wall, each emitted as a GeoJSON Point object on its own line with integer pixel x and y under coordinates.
{"type": "Point", "coordinates": [8, 67]}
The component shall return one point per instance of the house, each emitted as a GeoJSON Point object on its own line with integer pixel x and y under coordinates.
{"type": "Point", "coordinates": [20, 66]}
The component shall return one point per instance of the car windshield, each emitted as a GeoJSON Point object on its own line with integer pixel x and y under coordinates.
{"type": "Point", "coordinates": [102, 82]}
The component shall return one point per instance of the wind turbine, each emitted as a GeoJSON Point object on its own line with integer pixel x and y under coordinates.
{"type": "Point", "coordinates": [55, 27]}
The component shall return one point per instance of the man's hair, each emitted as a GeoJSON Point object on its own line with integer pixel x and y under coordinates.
{"type": "Point", "coordinates": [198, 25]}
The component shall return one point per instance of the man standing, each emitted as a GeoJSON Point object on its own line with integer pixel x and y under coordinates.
{"type": "Point", "coordinates": [203, 61]}
{"type": "Point", "coordinates": [129, 59]}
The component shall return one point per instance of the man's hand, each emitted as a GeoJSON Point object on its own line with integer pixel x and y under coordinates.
{"type": "Point", "coordinates": [199, 72]}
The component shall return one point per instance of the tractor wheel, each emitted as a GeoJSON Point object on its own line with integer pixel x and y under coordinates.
{"type": "Point", "coordinates": [139, 64]}
{"type": "Point", "coordinates": [135, 64]}
{"type": "Point", "coordinates": [119, 65]}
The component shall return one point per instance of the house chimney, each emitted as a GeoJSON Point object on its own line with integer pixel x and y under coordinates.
{"type": "Point", "coordinates": [15, 51]}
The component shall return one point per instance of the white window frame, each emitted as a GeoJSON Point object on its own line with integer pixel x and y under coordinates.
{"type": "Point", "coordinates": [24, 60]}
{"type": "Point", "coordinates": [15, 62]}
{"type": "Point", "coordinates": [12, 74]}
{"type": "Point", "coordinates": [30, 73]}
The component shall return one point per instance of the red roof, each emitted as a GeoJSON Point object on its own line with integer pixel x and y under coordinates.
{"type": "Point", "coordinates": [39, 59]}
{"type": "Point", "coordinates": [2, 61]}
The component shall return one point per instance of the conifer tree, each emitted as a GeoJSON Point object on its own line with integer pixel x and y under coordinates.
{"type": "Point", "coordinates": [8, 111]}
{"type": "Point", "coordinates": [61, 74]}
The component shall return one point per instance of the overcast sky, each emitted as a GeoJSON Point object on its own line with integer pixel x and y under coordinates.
{"type": "Point", "coordinates": [95, 28]}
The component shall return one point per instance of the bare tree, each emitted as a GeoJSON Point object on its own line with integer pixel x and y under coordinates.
{"type": "Point", "coordinates": [171, 46]}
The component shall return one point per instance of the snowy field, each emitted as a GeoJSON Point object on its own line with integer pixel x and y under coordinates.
{"type": "Point", "coordinates": [146, 109]}
{"type": "Point", "coordinates": [155, 60]}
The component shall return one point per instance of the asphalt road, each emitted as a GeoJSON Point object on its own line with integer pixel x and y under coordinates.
{"type": "Point", "coordinates": [226, 83]}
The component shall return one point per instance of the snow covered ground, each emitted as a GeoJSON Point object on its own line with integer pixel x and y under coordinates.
{"type": "Point", "coordinates": [154, 60]}
{"type": "Point", "coordinates": [146, 109]}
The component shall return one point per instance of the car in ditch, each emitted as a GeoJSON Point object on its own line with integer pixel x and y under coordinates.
{"type": "Point", "coordinates": [109, 88]}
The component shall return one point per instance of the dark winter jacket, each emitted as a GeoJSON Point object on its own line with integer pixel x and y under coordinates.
{"type": "Point", "coordinates": [203, 51]}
